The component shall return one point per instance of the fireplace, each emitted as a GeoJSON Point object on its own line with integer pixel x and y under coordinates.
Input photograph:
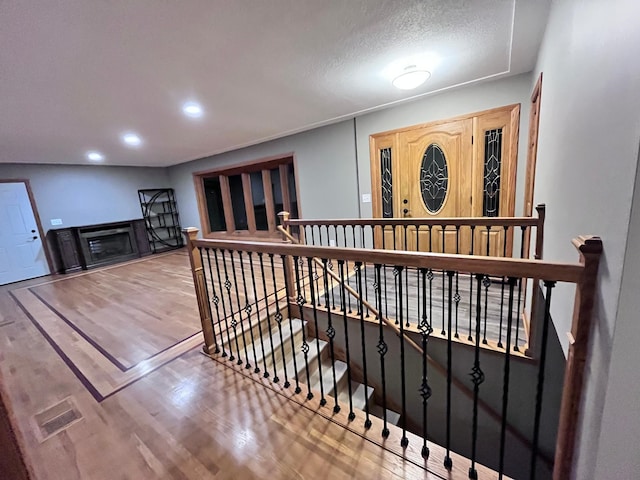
{"type": "Point", "coordinates": [101, 245]}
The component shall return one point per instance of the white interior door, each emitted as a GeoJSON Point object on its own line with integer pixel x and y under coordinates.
{"type": "Point", "coordinates": [21, 252]}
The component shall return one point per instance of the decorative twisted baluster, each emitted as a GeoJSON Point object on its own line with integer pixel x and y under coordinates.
{"type": "Point", "coordinates": [323, 400]}
{"type": "Point", "coordinates": [213, 298]}
{"type": "Point", "coordinates": [234, 322]}
{"type": "Point", "coordinates": [301, 301]}
{"type": "Point", "coordinates": [343, 292]}
{"type": "Point", "coordinates": [244, 340]}
{"type": "Point", "coordinates": [505, 381]}
{"type": "Point", "coordinates": [279, 317]}
{"type": "Point", "coordinates": [255, 296]}
{"type": "Point", "coordinates": [477, 377]}
{"type": "Point", "coordinates": [292, 338]}
{"type": "Point", "coordinates": [266, 305]}
{"type": "Point", "coordinates": [224, 307]}
{"type": "Point", "coordinates": [359, 268]}
{"type": "Point", "coordinates": [447, 461]}
{"type": "Point", "coordinates": [425, 390]}
{"type": "Point", "coordinates": [381, 346]}
{"type": "Point", "coordinates": [504, 254]}
{"type": "Point", "coordinates": [248, 309]}
{"type": "Point", "coordinates": [331, 333]}
{"type": "Point", "coordinates": [397, 271]}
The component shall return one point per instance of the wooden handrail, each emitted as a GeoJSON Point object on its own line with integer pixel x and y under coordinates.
{"type": "Point", "coordinates": [494, 266]}
{"type": "Point", "coordinates": [411, 221]}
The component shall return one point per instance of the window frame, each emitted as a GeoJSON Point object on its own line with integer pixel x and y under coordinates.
{"type": "Point", "coordinates": [263, 165]}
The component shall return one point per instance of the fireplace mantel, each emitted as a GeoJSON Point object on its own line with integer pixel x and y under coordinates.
{"type": "Point", "coordinates": [90, 246]}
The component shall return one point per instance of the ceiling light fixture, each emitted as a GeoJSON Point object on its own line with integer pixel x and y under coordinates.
{"type": "Point", "coordinates": [410, 78]}
{"type": "Point", "coordinates": [192, 109]}
{"type": "Point", "coordinates": [94, 156]}
{"type": "Point", "coordinates": [132, 139]}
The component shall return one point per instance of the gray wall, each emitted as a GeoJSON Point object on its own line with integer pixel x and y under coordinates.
{"type": "Point", "coordinates": [587, 158]}
{"type": "Point", "coordinates": [84, 195]}
{"type": "Point", "coordinates": [326, 157]}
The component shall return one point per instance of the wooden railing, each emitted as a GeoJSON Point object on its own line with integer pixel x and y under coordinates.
{"type": "Point", "coordinates": [489, 236]}
{"type": "Point", "coordinates": [250, 292]}
{"type": "Point", "coordinates": [481, 236]}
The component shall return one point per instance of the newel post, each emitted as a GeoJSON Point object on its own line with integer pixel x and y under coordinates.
{"type": "Point", "coordinates": [288, 261]}
{"type": "Point", "coordinates": [199, 280]}
{"type": "Point", "coordinates": [590, 249]}
{"type": "Point", "coordinates": [542, 211]}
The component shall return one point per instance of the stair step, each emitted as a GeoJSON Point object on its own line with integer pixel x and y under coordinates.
{"type": "Point", "coordinates": [327, 376]}
{"type": "Point", "coordinates": [286, 339]}
{"type": "Point", "coordinates": [358, 395]}
{"type": "Point", "coordinates": [392, 417]}
{"type": "Point", "coordinates": [312, 359]}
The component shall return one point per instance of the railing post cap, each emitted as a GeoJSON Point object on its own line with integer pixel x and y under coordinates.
{"type": "Point", "coordinates": [284, 213]}
{"type": "Point", "coordinates": [588, 244]}
{"type": "Point", "coordinates": [190, 232]}
{"type": "Point", "coordinates": [190, 229]}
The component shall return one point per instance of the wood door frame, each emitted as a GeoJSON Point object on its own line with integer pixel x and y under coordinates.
{"type": "Point", "coordinates": [36, 215]}
{"type": "Point", "coordinates": [514, 110]}
{"type": "Point", "coordinates": [244, 169]}
{"type": "Point", "coordinates": [532, 158]}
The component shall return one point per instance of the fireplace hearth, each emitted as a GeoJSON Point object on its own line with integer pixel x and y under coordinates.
{"type": "Point", "coordinates": [89, 246]}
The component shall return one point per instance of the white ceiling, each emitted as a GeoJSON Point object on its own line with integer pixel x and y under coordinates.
{"type": "Point", "coordinates": [76, 74]}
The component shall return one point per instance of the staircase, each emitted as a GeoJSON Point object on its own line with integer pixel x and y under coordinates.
{"type": "Point", "coordinates": [271, 345]}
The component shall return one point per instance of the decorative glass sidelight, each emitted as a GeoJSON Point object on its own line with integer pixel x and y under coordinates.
{"type": "Point", "coordinates": [492, 165]}
{"type": "Point", "coordinates": [387, 182]}
{"type": "Point", "coordinates": [434, 178]}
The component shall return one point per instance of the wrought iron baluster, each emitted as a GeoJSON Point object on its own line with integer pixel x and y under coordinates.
{"type": "Point", "coordinates": [486, 283]}
{"type": "Point", "coordinates": [234, 322]}
{"type": "Point", "coordinates": [477, 377]}
{"type": "Point", "coordinates": [505, 381]}
{"type": "Point", "coordinates": [425, 389]}
{"type": "Point", "coordinates": [516, 347]}
{"type": "Point", "coordinates": [418, 270]}
{"type": "Point", "coordinates": [359, 267]}
{"type": "Point", "coordinates": [235, 282]}
{"type": "Point", "coordinates": [316, 277]}
{"type": "Point", "coordinates": [488, 239]}
{"type": "Point", "coordinates": [293, 342]}
{"type": "Point", "coordinates": [279, 317]}
{"type": "Point", "coordinates": [331, 333]}
{"type": "Point", "coordinates": [352, 415]}
{"type": "Point", "coordinates": [255, 295]}
{"type": "Point", "coordinates": [213, 299]}
{"type": "Point", "coordinates": [312, 291]}
{"type": "Point", "coordinates": [540, 384]}
{"type": "Point", "coordinates": [301, 301]}
{"type": "Point", "coordinates": [397, 271]}
{"type": "Point", "coordinates": [395, 275]}
{"type": "Point", "coordinates": [386, 304]}
{"type": "Point", "coordinates": [470, 338]}
{"type": "Point", "coordinates": [456, 297]}
{"type": "Point", "coordinates": [247, 310]}
{"type": "Point", "coordinates": [348, 297]}
{"type": "Point", "coordinates": [443, 332]}
{"type": "Point", "coordinates": [366, 290]}
{"type": "Point", "coordinates": [224, 307]}
{"type": "Point", "coordinates": [447, 461]}
{"type": "Point", "coordinates": [382, 346]}
{"type": "Point", "coordinates": [269, 326]}
{"type": "Point", "coordinates": [430, 238]}
{"type": "Point", "coordinates": [504, 254]}
{"type": "Point", "coordinates": [406, 278]}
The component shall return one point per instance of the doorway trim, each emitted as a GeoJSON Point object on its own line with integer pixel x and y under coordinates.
{"type": "Point", "coordinates": [389, 138]}
{"type": "Point", "coordinates": [532, 157]}
{"type": "Point", "coordinates": [34, 208]}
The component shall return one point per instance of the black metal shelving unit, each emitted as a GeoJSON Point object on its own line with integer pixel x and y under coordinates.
{"type": "Point", "coordinates": [160, 212]}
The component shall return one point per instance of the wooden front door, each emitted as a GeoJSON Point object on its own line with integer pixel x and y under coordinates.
{"type": "Point", "coordinates": [461, 167]}
{"type": "Point", "coordinates": [436, 182]}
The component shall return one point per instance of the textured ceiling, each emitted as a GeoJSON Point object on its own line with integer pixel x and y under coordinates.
{"type": "Point", "coordinates": [76, 74]}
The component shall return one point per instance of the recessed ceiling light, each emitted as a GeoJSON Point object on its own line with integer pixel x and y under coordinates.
{"type": "Point", "coordinates": [411, 77]}
{"type": "Point", "coordinates": [95, 156]}
{"type": "Point", "coordinates": [132, 139]}
{"type": "Point", "coordinates": [192, 109]}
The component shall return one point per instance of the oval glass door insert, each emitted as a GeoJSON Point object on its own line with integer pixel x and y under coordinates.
{"type": "Point", "coordinates": [434, 178]}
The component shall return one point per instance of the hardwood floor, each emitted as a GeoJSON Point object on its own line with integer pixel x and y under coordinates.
{"type": "Point", "coordinates": [173, 414]}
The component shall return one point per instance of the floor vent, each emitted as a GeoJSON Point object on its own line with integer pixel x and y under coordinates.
{"type": "Point", "coordinates": [56, 418]}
